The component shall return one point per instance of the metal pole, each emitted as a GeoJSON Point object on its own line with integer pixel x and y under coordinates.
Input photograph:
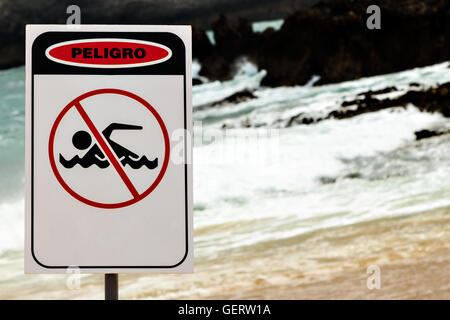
{"type": "Point", "coordinates": [111, 286]}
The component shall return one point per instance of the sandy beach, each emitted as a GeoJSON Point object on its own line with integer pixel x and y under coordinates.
{"type": "Point", "coordinates": [409, 269]}
{"type": "Point", "coordinates": [412, 252]}
{"type": "Point", "coordinates": [409, 279]}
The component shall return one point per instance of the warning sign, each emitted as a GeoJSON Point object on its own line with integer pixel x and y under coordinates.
{"type": "Point", "coordinates": [104, 192]}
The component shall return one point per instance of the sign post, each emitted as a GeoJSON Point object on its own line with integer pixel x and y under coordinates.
{"type": "Point", "coordinates": [111, 286]}
{"type": "Point", "coordinates": [108, 152]}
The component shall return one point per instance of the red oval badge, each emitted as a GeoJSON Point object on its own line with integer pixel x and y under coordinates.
{"type": "Point", "coordinates": [108, 53]}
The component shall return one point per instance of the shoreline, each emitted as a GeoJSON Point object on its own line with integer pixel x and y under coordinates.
{"type": "Point", "coordinates": [409, 269]}
{"type": "Point", "coordinates": [419, 279]}
{"type": "Point", "coordinates": [413, 253]}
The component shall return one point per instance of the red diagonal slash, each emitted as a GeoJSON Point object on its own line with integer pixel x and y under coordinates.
{"type": "Point", "coordinates": [107, 150]}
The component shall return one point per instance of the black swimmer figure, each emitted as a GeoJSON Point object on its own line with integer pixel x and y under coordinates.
{"type": "Point", "coordinates": [126, 156]}
{"type": "Point", "coordinates": [82, 140]}
{"type": "Point", "coordinates": [119, 150]}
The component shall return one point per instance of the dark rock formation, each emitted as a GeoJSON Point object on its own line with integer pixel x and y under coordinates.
{"type": "Point", "coordinates": [236, 97]}
{"type": "Point", "coordinates": [231, 42]}
{"type": "Point", "coordinates": [15, 14]}
{"type": "Point", "coordinates": [196, 81]}
{"type": "Point", "coordinates": [425, 134]}
{"type": "Point", "coordinates": [428, 100]}
{"type": "Point", "coordinates": [201, 46]}
{"type": "Point", "coordinates": [301, 118]}
{"type": "Point", "coordinates": [332, 40]}
{"type": "Point", "coordinates": [330, 180]}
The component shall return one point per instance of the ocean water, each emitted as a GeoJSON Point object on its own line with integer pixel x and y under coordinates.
{"type": "Point", "coordinates": [275, 181]}
{"type": "Point", "coordinates": [259, 26]}
{"type": "Point", "coordinates": [12, 130]}
{"type": "Point", "coordinates": [254, 187]}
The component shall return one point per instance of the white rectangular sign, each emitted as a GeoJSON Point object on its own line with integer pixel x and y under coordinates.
{"type": "Point", "coordinates": [108, 149]}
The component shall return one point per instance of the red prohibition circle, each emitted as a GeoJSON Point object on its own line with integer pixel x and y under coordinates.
{"type": "Point", "coordinates": [99, 204]}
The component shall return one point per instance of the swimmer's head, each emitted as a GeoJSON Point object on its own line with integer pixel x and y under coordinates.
{"type": "Point", "coordinates": [81, 140]}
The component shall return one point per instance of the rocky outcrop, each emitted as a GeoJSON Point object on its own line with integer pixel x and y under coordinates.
{"type": "Point", "coordinates": [426, 133]}
{"type": "Point", "coordinates": [435, 99]}
{"type": "Point", "coordinates": [201, 45]}
{"type": "Point", "coordinates": [429, 100]}
{"type": "Point", "coordinates": [231, 42]}
{"type": "Point", "coordinates": [15, 14]}
{"type": "Point", "coordinates": [331, 40]}
{"type": "Point", "coordinates": [236, 97]}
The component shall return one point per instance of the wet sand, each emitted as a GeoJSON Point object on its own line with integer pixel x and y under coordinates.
{"type": "Point", "coordinates": [412, 252]}
{"type": "Point", "coordinates": [425, 278]}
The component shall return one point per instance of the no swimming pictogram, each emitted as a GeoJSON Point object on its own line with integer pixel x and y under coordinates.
{"type": "Point", "coordinates": [79, 125]}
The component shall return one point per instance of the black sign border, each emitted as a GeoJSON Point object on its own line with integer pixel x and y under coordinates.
{"type": "Point", "coordinates": [125, 35]}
